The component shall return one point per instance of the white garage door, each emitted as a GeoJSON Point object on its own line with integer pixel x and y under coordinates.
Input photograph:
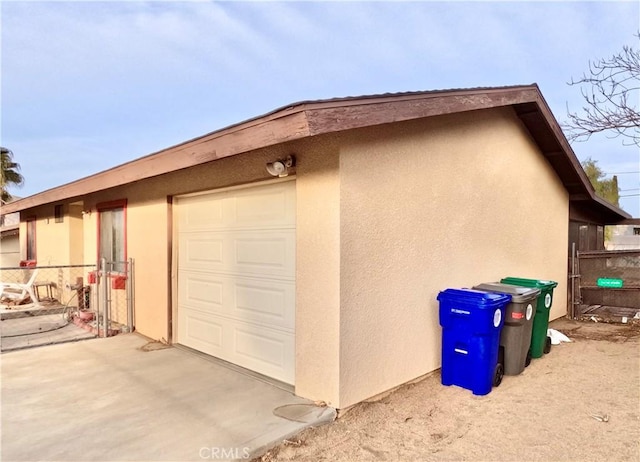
{"type": "Point", "coordinates": [236, 276]}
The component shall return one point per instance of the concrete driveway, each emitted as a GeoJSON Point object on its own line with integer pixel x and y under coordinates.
{"type": "Point", "coordinates": [116, 399]}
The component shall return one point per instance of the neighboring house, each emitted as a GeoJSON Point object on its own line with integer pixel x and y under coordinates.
{"type": "Point", "coordinates": [9, 239]}
{"type": "Point", "coordinates": [327, 279]}
{"type": "Point", "coordinates": [624, 237]}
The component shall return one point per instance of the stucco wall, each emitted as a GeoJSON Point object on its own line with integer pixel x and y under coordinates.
{"type": "Point", "coordinates": [446, 202]}
{"type": "Point", "coordinates": [89, 235]}
{"type": "Point", "coordinates": [73, 214]}
{"type": "Point", "coordinates": [56, 242]}
{"type": "Point", "coordinates": [318, 272]}
{"type": "Point", "coordinates": [52, 239]}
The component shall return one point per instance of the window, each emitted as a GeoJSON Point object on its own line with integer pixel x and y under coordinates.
{"type": "Point", "coordinates": [31, 238]}
{"type": "Point", "coordinates": [58, 213]}
{"type": "Point", "coordinates": [636, 231]}
{"type": "Point", "coordinates": [112, 234]}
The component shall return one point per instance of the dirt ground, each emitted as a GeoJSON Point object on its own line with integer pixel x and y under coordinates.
{"type": "Point", "coordinates": [581, 402]}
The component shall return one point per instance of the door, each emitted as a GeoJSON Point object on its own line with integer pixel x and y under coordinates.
{"type": "Point", "coordinates": [236, 276]}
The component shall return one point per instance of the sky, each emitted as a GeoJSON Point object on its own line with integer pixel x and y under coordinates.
{"type": "Point", "coordinates": [89, 85]}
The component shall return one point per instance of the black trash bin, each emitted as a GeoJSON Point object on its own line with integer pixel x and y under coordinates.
{"type": "Point", "coordinates": [515, 339]}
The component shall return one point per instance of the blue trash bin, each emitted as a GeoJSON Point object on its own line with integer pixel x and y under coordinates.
{"type": "Point", "coordinates": [471, 322]}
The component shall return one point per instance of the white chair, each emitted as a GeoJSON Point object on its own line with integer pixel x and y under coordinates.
{"type": "Point", "coordinates": [18, 292]}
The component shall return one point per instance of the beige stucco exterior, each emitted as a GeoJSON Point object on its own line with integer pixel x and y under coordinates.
{"type": "Point", "coordinates": [56, 243]}
{"type": "Point", "coordinates": [386, 217]}
{"type": "Point", "coordinates": [318, 275]}
{"type": "Point", "coordinates": [444, 202]}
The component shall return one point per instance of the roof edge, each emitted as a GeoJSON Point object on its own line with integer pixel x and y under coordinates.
{"type": "Point", "coordinates": [292, 117]}
{"type": "Point", "coordinates": [314, 117]}
{"type": "Point", "coordinates": [610, 206]}
{"type": "Point", "coordinates": [566, 147]}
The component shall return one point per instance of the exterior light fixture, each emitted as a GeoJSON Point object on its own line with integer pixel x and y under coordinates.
{"type": "Point", "coordinates": [280, 167]}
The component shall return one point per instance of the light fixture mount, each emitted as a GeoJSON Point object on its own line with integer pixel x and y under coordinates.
{"type": "Point", "coordinates": [280, 167]}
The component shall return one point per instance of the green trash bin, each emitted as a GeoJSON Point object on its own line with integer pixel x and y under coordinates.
{"type": "Point", "coordinates": [540, 342]}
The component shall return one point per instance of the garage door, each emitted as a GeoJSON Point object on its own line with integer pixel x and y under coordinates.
{"type": "Point", "coordinates": [236, 276]}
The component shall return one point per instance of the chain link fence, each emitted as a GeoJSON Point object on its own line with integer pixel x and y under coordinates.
{"type": "Point", "coordinates": [41, 305]}
{"type": "Point", "coordinates": [599, 269]}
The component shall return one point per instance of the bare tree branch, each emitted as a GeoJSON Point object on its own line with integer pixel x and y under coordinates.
{"type": "Point", "coordinates": [611, 91]}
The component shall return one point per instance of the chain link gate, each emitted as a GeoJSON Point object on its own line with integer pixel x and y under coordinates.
{"type": "Point", "coordinates": [41, 305]}
{"type": "Point", "coordinates": [605, 284]}
{"type": "Point", "coordinates": [114, 297]}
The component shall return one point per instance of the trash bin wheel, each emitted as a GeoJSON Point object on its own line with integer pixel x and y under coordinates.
{"type": "Point", "coordinates": [547, 345]}
{"type": "Point", "coordinates": [497, 376]}
{"type": "Point", "coordinates": [499, 370]}
{"type": "Point", "coordinates": [528, 360]}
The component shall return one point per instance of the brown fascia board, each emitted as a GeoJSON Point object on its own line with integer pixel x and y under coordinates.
{"type": "Point", "coordinates": [327, 118]}
{"type": "Point", "coordinates": [233, 140]}
{"type": "Point", "coordinates": [597, 211]}
{"type": "Point", "coordinates": [554, 127]}
{"type": "Point", "coordinates": [613, 213]}
{"type": "Point", "coordinates": [340, 115]}
{"type": "Point", "coordinates": [616, 213]}
{"type": "Point", "coordinates": [291, 122]}
{"type": "Point", "coordinates": [310, 118]}
{"type": "Point", "coordinates": [629, 221]}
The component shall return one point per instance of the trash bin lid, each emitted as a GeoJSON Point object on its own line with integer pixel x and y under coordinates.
{"type": "Point", "coordinates": [518, 294]}
{"type": "Point", "coordinates": [475, 297]}
{"type": "Point", "coordinates": [537, 283]}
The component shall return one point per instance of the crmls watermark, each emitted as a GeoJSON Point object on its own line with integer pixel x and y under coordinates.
{"type": "Point", "coordinates": [216, 453]}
